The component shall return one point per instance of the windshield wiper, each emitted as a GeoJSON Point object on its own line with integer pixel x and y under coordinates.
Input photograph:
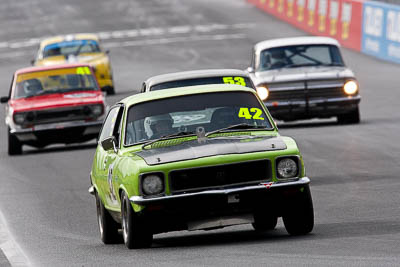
{"type": "Point", "coordinates": [76, 89]}
{"type": "Point", "coordinates": [237, 126]}
{"type": "Point", "coordinates": [60, 91]}
{"type": "Point", "coordinates": [165, 137]}
{"type": "Point", "coordinates": [301, 65]}
{"type": "Point", "coordinates": [331, 64]}
{"type": "Point", "coordinates": [44, 92]}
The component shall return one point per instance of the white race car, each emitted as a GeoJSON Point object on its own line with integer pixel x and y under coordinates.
{"type": "Point", "coordinates": [305, 77]}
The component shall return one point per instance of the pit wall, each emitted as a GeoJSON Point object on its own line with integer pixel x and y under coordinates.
{"type": "Point", "coordinates": [369, 27]}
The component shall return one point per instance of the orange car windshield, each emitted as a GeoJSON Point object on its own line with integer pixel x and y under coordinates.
{"type": "Point", "coordinates": [54, 81]}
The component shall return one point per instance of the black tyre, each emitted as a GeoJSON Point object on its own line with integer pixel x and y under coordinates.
{"type": "Point", "coordinates": [135, 232]}
{"type": "Point", "coordinates": [298, 217]}
{"type": "Point", "coordinates": [350, 118]}
{"type": "Point", "coordinates": [107, 226]}
{"type": "Point", "coordinates": [14, 145]}
{"type": "Point", "coordinates": [264, 222]}
{"type": "Point", "coordinates": [110, 90]}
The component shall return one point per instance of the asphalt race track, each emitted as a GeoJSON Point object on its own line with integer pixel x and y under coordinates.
{"type": "Point", "coordinates": [355, 169]}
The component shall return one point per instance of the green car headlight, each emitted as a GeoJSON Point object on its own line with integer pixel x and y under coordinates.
{"type": "Point", "coordinates": [287, 168]}
{"type": "Point", "coordinates": [152, 184]}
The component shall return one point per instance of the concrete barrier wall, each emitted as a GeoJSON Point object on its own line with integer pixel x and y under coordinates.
{"type": "Point", "coordinates": [369, 27]}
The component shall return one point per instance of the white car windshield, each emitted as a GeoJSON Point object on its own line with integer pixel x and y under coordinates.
{"type": "Point", "coordinates": [300, 56]}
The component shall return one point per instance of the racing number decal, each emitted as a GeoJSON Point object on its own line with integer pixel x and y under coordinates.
{"type": "Point", "coordinates": [110, 183]}
{"type": "Point", "coordinates": [83, 71]}
{"type": "Point", "coordinates": [234, 80]}
{"type": "Point", "coordinates": [245, 113]}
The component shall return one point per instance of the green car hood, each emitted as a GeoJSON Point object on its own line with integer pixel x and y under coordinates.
{"type": "Point", "coordinates": [195, 149]}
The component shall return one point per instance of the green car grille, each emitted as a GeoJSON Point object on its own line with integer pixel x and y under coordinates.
{"type": "Point", "coordinates": [220, 176]}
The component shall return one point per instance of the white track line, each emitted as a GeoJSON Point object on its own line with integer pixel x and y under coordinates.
{"type": "Point", "coordinates": [159, 41]}
{"type": "Point", "coordinates": [131, 33]}
{"type": "Point", "coordinates": [10, 248]}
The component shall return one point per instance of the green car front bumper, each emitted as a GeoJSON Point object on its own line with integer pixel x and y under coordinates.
{"type": "Point", "coordinates": [139, 200]}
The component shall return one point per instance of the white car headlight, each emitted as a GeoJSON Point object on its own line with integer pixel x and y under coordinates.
{"type": "Point", "coordinates": [287, 168]}
{"type": "Point", "coordinates": [152, 184]}
{"type": "Point", "coordinates": [350, 87]}
{"type": "Point", "coordinates": [262, 92]}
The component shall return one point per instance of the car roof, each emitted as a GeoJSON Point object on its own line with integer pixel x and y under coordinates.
{"type": "Point", "coordinates": [51, 67]}
{"type": "Point", "coordinates": [183, 75]}
{"type": "Point", "coordinates": [188, 90]}
{"type": "Point", "coordinates": [304, 40]}
{"type": "Point", "coordinates": [68, 37]}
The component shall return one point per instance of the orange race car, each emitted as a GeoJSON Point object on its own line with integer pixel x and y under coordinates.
{"type": "Point", "coordinates": [75, 48]}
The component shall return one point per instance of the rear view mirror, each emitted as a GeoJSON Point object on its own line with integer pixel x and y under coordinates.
{"type": "Point", "coordinates": [109, 143]}
{"type": "Point", "coordinates": [4, 99]}
{"type": "Point", "coordinates": [32, 62]}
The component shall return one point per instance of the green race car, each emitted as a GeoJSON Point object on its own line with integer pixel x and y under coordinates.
{"type": "Point", "coordinates": [201, 157]}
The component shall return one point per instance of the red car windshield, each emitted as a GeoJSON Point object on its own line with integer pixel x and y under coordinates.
{"type": "Point", "coordinates": [54, 81]}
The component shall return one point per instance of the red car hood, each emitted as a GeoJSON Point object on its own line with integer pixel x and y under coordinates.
{"type": "Point", "coordinates": [57, 100]}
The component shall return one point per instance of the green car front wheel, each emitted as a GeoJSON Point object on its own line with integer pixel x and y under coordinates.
{"type": "Point", "coordinates": [299, 215]}
{"type": "Point", "coordinates": [135, 232]}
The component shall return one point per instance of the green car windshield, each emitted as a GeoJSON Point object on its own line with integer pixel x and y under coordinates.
{"type": "Point", "coordinates": [245, 81]}
{"type": "Point", "coordinates": [184, 114]}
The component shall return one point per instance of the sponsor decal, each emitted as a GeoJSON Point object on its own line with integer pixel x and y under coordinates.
{"type": "Point", "coordinates": [394, 51]}
{"type": "Point", "coordinates": [311, 12]}
{"type": "Point", "coordinates": [271, 3]}
{"type": "Point", "coordinates": [187, 118]}
{"type": "Point", "coordinates": [280, 6]}
{"type": "Point", "coordinates": [79, 95]}
{"type": "Point", "coordinates": [393, 26]}
{"type": "Point", "coordinates": [322, 12]}
{"type": "Point", "coordinates": [300, 10]}
{"type": "Point", "coordinates": [346, 20]}
{"type": "Point", "coordinates": [333, 17]}
{"type": "Point", "coordinates": [372, 45]}
{"type": "Point", "coordinates": [267, 185]}
{"type": "Point", "coordinates": [290, 8]}
{"type": "Point", "coordinates": [373, 22]}
{"type": "Point", "coordinates": [381, 31]}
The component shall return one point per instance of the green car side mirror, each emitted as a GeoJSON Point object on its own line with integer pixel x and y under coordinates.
{"type": "Point", "coordinates": [109, 143]}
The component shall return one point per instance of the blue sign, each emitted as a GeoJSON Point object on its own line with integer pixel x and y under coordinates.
{"type": "Point", "coordinates": [381, 31]}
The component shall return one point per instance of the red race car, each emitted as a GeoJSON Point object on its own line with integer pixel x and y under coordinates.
{"type": "Point", "coordinates": [55, 104]}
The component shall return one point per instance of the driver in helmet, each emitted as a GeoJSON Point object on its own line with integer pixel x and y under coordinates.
{"type": "Point", "coordinates": [32, 87]}
{"type": "Point", "coordinates": [158, 126]}
{"type": "Point", "coordinates": [278, 58]}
